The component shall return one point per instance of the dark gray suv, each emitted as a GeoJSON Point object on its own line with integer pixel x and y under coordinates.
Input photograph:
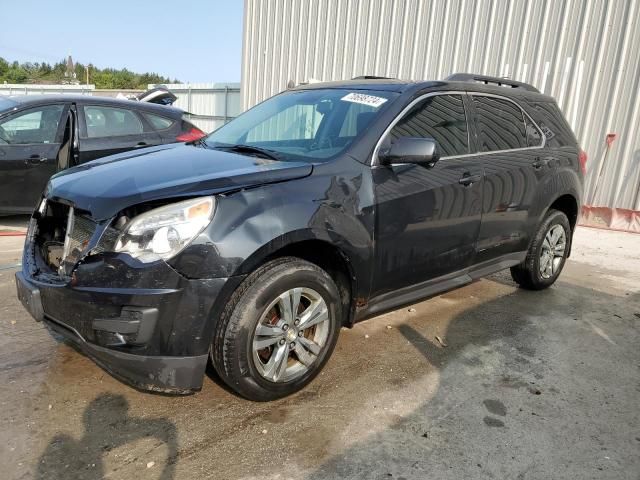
{"type": "Point", "coordinates": [320, 207]}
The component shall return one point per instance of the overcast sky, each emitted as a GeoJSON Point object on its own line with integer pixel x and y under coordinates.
{"type": "Point", "coordinates": [194, 40]}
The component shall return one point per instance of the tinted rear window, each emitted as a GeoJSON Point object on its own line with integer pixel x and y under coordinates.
{"type": "Point", "coordinates": [500, 124]}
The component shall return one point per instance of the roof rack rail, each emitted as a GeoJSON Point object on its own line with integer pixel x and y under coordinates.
{"type": "Point", "coordinates": [501, 82]}
{"type": "Point", "coordinates": [372, 77]}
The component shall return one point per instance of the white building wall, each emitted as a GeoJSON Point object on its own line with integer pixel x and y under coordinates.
{"type": "Point", "coordinates": [33, 89]}
{"type": "Point", "coordinates": [211, 105]}
{"type": "Point", "coordinates": [586, 53]}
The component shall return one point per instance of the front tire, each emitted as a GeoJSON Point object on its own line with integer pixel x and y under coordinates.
{"type": "Point", "coordinates": [547, 254]}
{"type": "Point", "coordinates": [278, 329]}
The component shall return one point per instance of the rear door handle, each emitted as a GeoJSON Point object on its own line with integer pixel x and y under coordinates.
{"type": "Point", "coordinates": [541, 162]}
{"type": "Point", "coordinates": [468, 179]}
{"type": "Point", "coordinates": [141, 144]}
{"type": "Point", "coordinates": [36, 159]}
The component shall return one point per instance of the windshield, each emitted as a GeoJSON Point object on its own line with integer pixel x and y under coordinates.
{"type": "Point", "coordinates": [305, 124]}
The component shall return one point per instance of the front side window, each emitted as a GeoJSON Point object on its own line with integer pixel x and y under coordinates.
{"type": "Point", "coordinates": [305, 124]}
{"type": "Point", "coordinates": [441, 117]}
{"type": "Point", "coordinates": [36, 125]}
{"type": "Point", "coordinates": [500, 124]}
{"type": "Point", "coordinates": [109, 121]}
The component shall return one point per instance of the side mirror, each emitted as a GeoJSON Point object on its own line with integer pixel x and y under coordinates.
{"type": "Point", "coordinates": [423, 151]}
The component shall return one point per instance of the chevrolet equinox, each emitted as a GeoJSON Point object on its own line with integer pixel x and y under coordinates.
{"type": "Point", "coordinates": [322, 206]}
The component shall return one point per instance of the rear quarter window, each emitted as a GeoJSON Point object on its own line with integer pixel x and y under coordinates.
{"type": "Point", "coordinates": [159, 122]}
{"type": "Point", "coordinates": [534, 134]}
{"type": "Point", "coordinates": [551, 121]}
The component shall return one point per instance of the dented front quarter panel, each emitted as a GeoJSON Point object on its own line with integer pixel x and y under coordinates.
{"type": "Point", "coordinates": [252, 224]}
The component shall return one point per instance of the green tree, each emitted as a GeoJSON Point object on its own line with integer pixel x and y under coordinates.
{"type": "Point", "coordinates": [109, 78]}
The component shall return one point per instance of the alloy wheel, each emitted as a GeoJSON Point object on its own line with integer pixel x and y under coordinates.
{"type": "Point", "coordinates": [290, 335]}
{"type": "Point", "coordinates": [552, 251]}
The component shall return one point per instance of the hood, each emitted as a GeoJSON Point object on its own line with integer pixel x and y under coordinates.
{"type": "Point", "coordinates": [105, 187]}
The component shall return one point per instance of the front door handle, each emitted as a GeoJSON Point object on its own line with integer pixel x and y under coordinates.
{"type": "Point", "coordinates": [141, 145]}
{"type": "Point", "coordinates": [468, 179]}
{"type": "Point", "coordinates": [36, 159]}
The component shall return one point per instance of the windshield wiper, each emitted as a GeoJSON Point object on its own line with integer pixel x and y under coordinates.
{"type": "Point", "coordinates": [250, 149]}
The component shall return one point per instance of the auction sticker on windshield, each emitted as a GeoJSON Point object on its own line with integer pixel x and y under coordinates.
{"type": "Point", "coordinates": [370, 100]}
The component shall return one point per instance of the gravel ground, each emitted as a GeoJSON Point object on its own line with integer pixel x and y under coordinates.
{"type": "Point", "coordinates": [531, 385]}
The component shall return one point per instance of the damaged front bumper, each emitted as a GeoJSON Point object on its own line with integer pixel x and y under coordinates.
{"type": "Point", "coordinates": [146, 324]}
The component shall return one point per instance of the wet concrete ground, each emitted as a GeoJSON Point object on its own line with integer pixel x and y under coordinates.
{"type": "Point", "coordinates": [531, 385]}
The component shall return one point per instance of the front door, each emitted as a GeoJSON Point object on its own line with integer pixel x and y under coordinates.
{"type": "Point", "coordinates": [428, 219]}
{"type": "Point", "coordinates": [29, 145]}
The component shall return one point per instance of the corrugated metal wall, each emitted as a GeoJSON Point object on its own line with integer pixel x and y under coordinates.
{"type": "Point", "coordinates": [211, 105]}
{"type": "Point", "coordinates": [586, 53]}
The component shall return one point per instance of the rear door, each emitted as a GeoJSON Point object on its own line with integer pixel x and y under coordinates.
{"type": "Point", "coordinates": [510, 147]}
{"type": "Point", "coordinates": [167, 127]}
{"type": "Point", "coordinates": [106, 130]}
{"type": "Point", "coordinates": [29, 144]}
{"type": "Point", "coordinates": [428, 219]}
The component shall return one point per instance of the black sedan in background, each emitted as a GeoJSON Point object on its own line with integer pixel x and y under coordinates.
{"type": "Point", "coordinates": [43, 134]}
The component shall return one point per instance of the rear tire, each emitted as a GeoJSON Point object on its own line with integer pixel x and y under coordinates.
{"type": "Point", "coordinates": [547, 254]}
{"type": "Point", "coordinates": [278, 329]}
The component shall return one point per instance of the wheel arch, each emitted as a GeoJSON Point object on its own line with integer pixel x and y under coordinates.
{"type": "Point", "coordinates": [567, 204]}
{"type": "Point", "coordinates": [326, 255]}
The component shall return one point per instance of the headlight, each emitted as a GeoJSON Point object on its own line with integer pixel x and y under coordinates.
{"type": "Point", "coordinates": [163, 232]}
